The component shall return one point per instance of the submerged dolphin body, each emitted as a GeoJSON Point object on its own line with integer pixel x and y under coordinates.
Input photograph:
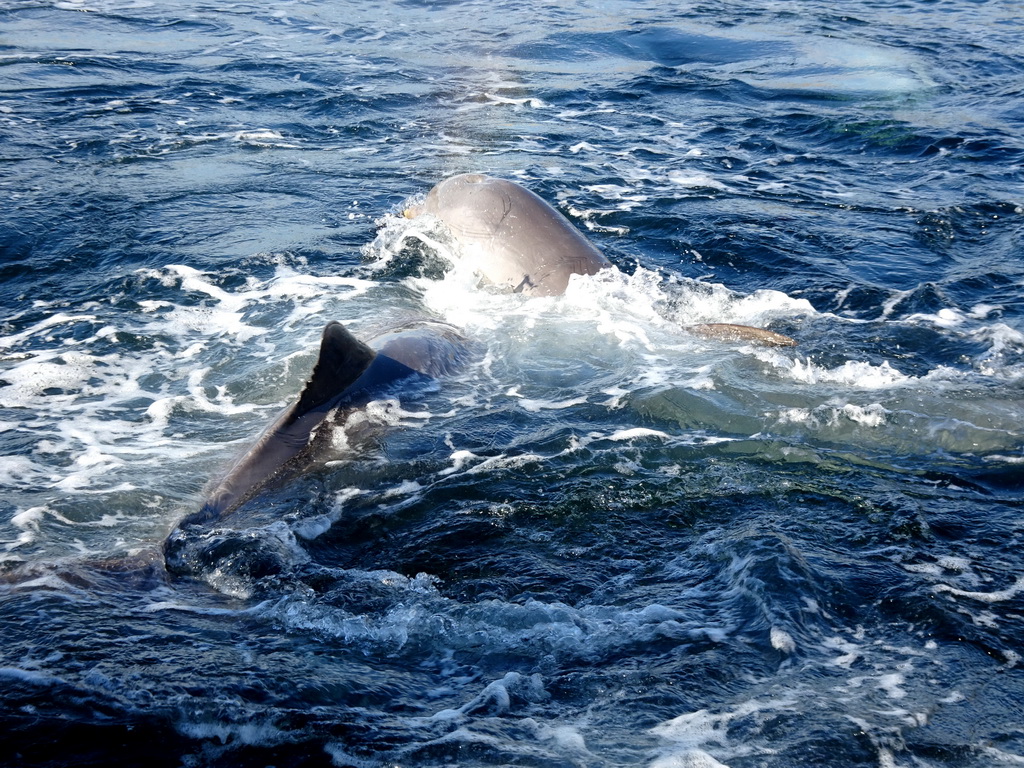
{"type": "Point", "coordinates": [348, 374]}
{"type": "Point", "coordinates": [515, 240]}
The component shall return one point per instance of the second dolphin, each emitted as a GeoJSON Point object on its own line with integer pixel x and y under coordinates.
{"type": "Point", "coordinates": [514, 240]}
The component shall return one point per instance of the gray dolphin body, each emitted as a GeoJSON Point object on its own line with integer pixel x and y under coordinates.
{"type": "Point", "coordinates": [348, 374]}
{"type": "Point", "coordinates": [513, 238]}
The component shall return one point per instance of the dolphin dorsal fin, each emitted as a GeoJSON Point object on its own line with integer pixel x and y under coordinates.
{"type": "Point", "coordinates": [343, 359]}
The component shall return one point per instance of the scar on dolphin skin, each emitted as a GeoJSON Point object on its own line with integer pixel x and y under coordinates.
{"type": "Point", "coordinates": [517, 241]}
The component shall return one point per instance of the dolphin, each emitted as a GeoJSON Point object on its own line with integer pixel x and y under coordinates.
{"type": "Point", "coordinates": [517, 241]}
{"type": "Point", "coordinates": [347, 375]}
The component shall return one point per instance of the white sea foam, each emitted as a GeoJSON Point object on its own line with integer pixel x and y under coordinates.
{"type": "Point", "coordinates": [1001, 756]}
{"type": "Point", "coordinates": [459, 459]}
{"type": "Point", "coordinates": [529, 101]}
{"type": "Point", "coordinates": [695, 181]}
{"type": "Point", "coordinates": [263, 137]}
{"type": "Point", "coordinates": [251, 733]}
{"type": "Point", "coordinates": [782, 641]}
{"type": "Point", "coordinates": [852, 373]}
{"type": "Point", "coordinates": [692, 734]}
{"type": "Point", "coordinates": [634, 434]}
{"type": "Point", "coordinates": [535, 405]}
{"type": "Point", "coordinates": [27, 522]}
{"type": "Point", "coordinates": [50, 321]}
{"type": "Point", "coordinates": [690, 758]}
{"type": "Point", "coordinates": [29, 676]}
{"type": "Point", "coordinates": [831, 414]}
{"type": "Point", "coordinates": [954, 563]}
{"type": "Point", "coordinates": [996, 596]}
{"type": "Point", "coordinates": [311, 527]}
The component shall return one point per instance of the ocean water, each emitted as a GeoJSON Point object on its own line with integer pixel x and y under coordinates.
{"type": "Point", "coordinates": [606, 541]}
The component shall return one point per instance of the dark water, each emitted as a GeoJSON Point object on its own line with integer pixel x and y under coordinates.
{"type": "Point", "coordinates": [607, 542]}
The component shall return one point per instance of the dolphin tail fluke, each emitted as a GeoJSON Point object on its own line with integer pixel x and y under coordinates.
{"type": "Point", "coordinates": [733, 332]}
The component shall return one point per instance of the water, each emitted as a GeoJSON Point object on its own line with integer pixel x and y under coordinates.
{"type": "Point", "coordinates": [606, 542]}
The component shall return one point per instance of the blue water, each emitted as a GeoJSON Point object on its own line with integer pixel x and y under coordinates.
{"type": "Point", "coordinates": [606, 542]}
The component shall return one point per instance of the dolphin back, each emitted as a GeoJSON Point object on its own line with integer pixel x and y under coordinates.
{"type": "Point", "coordinates": [513, 238]}
{"type": "Point", "coordinates": [343, 359]}
{"type": "Point", "coordinates": [348, 374]}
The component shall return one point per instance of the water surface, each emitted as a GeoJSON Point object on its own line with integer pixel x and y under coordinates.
{"type": "Point", "coordinates": [607, 541]}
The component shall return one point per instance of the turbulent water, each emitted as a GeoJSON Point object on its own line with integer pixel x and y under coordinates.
{"type": "Point", "coordinates": [605, 541]}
